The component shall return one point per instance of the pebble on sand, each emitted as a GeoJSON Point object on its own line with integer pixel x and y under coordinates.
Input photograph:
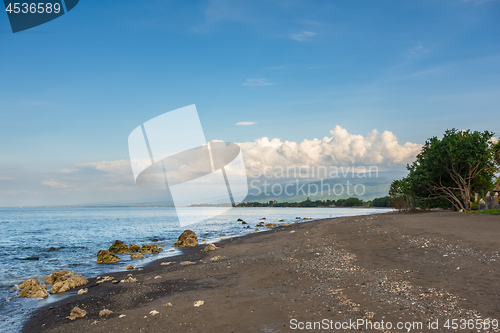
{"type": "Point", "coordinates": [153, 312]}
{"type": "Point", "coordinates": [185, 263]}
{"type": "Point", "coordinates": [82, 291]}
{"type": "Point", "coordinates": [105, 312]}
{"type": "Point", "coordinates": [76, 312]}
{"type": "Point", "coordinates": [167, 304]}
{"type": "Point", "coordinates": [198, 303]}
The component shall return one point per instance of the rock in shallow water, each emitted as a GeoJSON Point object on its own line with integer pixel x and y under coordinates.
{"type": "Point", "coordinates": [210, 247]}
{"type": "Point", "coordinates": [73, 281]}
{"type": "Point", "coordinates": [60, 276]}
{"type": "Point", "coordinates": [187, 239]}
{"type": "Point", "coordinates": [137, 256]}
{"type": "Point", "coordinates": [105, 256]}
{"type": "Point", "coordinates": [134, 248]}
{"type": "Point", "coordinates": [119, 247]}
{"type": "Point", "coordinates": [150, 248]}
{"type": "Point", "coordinates": [33, 289]}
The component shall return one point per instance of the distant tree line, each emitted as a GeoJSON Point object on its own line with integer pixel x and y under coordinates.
{"type": "Point", "coordinates": [349, 202]}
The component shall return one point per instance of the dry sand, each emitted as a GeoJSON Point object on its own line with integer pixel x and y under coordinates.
{"type": "Point", "coordinates": [396, 267]}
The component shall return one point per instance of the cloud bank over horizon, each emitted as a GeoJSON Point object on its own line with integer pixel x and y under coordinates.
{"type": "Point", "coordinates": [113, 181]}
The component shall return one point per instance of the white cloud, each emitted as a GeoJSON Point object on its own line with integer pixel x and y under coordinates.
{"type": "Point", "coordinates": [245, 123]}
{"type": "Point", "coordinates": [302, 36]}
{"type": "Point", "coordinates": [57, 184]}
{"type": "Point", "coordinates": [257, 82]}
{"type": "Point", "coordinates": [339, 149]}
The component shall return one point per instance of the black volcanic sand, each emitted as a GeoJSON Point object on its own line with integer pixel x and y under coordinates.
{"type": "Point", "coordinates": [393, 267]}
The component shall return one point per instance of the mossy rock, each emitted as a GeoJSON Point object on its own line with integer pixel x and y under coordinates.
{"type": "Point", "coordinates": [105, 257]}
{"type": "Point", "coordinates": [119, 247]}
{"type": "Point", "coordinates": [149, 248]}
{"type": "Point", "coordinates": [134, 248]}
{"type": "Point", "coordinates": [187, 239]}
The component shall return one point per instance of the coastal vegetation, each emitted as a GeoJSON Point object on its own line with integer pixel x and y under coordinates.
{"type": "Point", "coordinates": [349, 202]}
{"type": "Point", "coordinates": [448, 172]}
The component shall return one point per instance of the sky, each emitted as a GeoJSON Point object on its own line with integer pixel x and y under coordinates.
{"type": "Point", "coordinates": [375, 78]}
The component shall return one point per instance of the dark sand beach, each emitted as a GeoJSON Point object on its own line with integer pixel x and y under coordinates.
{"type": "Point", "coordinates": [395, 267]}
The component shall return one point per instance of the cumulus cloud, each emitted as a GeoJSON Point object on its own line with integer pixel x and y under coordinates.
{"type": "Point", "coordinates": [57, 184]}
{"type": "Point", "coordinates": [302, 36]}
{"type": "Point", "coordinates": [339, 149]}
{"type": "Point", "coordinates": [258, 82]}
{"type": "Point", "coordinates": [245, 123]}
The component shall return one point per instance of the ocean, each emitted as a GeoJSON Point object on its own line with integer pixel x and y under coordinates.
{"type": "Point", "coordinates": [77, 234]}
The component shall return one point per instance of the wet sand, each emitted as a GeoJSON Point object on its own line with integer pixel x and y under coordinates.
{"type": "Point", "coordinates": [395, 267]}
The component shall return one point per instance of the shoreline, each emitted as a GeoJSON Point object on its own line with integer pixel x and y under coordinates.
{"type": "Point", "coordinates": [275, 274]}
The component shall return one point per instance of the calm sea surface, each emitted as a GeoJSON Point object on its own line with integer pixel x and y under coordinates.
{"type": "Point", "coordinates": [79, 233]}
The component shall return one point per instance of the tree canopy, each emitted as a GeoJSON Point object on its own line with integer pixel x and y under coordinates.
{"type": "Point", "coordinates": [449, 170]}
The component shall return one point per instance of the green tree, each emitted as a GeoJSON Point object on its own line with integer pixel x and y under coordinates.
{"type": "Point", "coordinates": [453, 168]}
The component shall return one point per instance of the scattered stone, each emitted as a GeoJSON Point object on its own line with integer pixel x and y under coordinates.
{"type": "Point", "coordinates": [105, 279]}
{"type": "Point", "coordinates": [263, 218]}
{"type": "Point", "coordinates": [297, 218]}
{"type": "Point", "coordinates": [153, 312]}
{"type": "Point", "coordinates": [244, 222]}
{"type": "Point", "coordinates": [119, 247]}
{"type": "Point", "coordinates": [73, 281]}
{"type": "Point", "coordinates": [166, 263]}
{"type": "Point", "coordinates": [187, 239]}
{"type": "Point", "coordinates": [292, 232]}
{"type": "Point", "coordinates": [239, 220]}
{"type": "Point", "coordinates": [185, 263]}
{"type": "Point", "coordinates": [134, 248]}
{"type": "Point", "coordinates": [286, 224]}
{"type": "Point", "coordinates": [58, 276]}
{"type": "Point", "coordinates": [32, 288]}
{"type": "Point", "coordinates": [271, 225]}
{"type": "Point", "coordinates": [222, 235]}
{"type": "Point", "coordinates": [210, 247]}
{"type": "Point", "coordinates": [281, 220]}
{"type": "Point", "coordinates": [149, 248]}
{"type": "Point", "coordinates": [52, 248]}
{"type": "Point", "coordinates": [76, 312]}
{"type": "Point", "coordinates": [260, 224]}
{"type": "Point", "coordinates": [130, 267]}
{"type": "Point", "coordinates": [158, 277]}
{"type": "Point", "coordinates": [30, 258]}
{"type": "Point", "coordinates": [217, 258]}
{"type": "Point", "coordinates": [137, 256]}
{"type": "Point", "coordinates": [247, 227]}
{"type": "Point", "coordinates": [198, 303]}
{"type": "Point", "coordinates": [105, 256]}
{"type": "Point", "coordinates": [167, 304]}
{"type": "Point", "coordinates": [121, 316]}
{"type": "Point", "coordinates": [83, 291]}
{"type": "Point", "coordinates": [155, 240]}
{"type": "Point", "coordinates": [105, 312]}
{"type": "Point", "coordinates": [129, 279]}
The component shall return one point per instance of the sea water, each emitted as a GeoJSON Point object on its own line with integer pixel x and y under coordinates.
{"type": "Point", "coordinates": [77, 234]}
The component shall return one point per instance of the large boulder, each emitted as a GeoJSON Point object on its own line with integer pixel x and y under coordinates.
{"type": "Point", "coordinates": [60, 276]}
{"type": "Point", "coordinates": [33, 289]}
{"type": "Point", "coordinates": [73, 281]}
{"type": "Point", "coordinates": [105, 256]}
{"type": "Point", "coordinates": [149, 248]}
{"type": "Point", "coordinates": [186, 239]}
{"type": "Point", "coordinates": [119, 247]}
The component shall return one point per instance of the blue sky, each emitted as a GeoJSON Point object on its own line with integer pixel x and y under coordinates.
{"type": "Point", "coordinates": [73, 89]}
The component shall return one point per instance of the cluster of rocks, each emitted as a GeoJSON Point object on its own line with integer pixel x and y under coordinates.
{"type": "Point", "coordinates": [136, 251]}
{"type": "Point", "coordinates": [61, 281]}
{"type": "Point", "coordinates": [187, 239]}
